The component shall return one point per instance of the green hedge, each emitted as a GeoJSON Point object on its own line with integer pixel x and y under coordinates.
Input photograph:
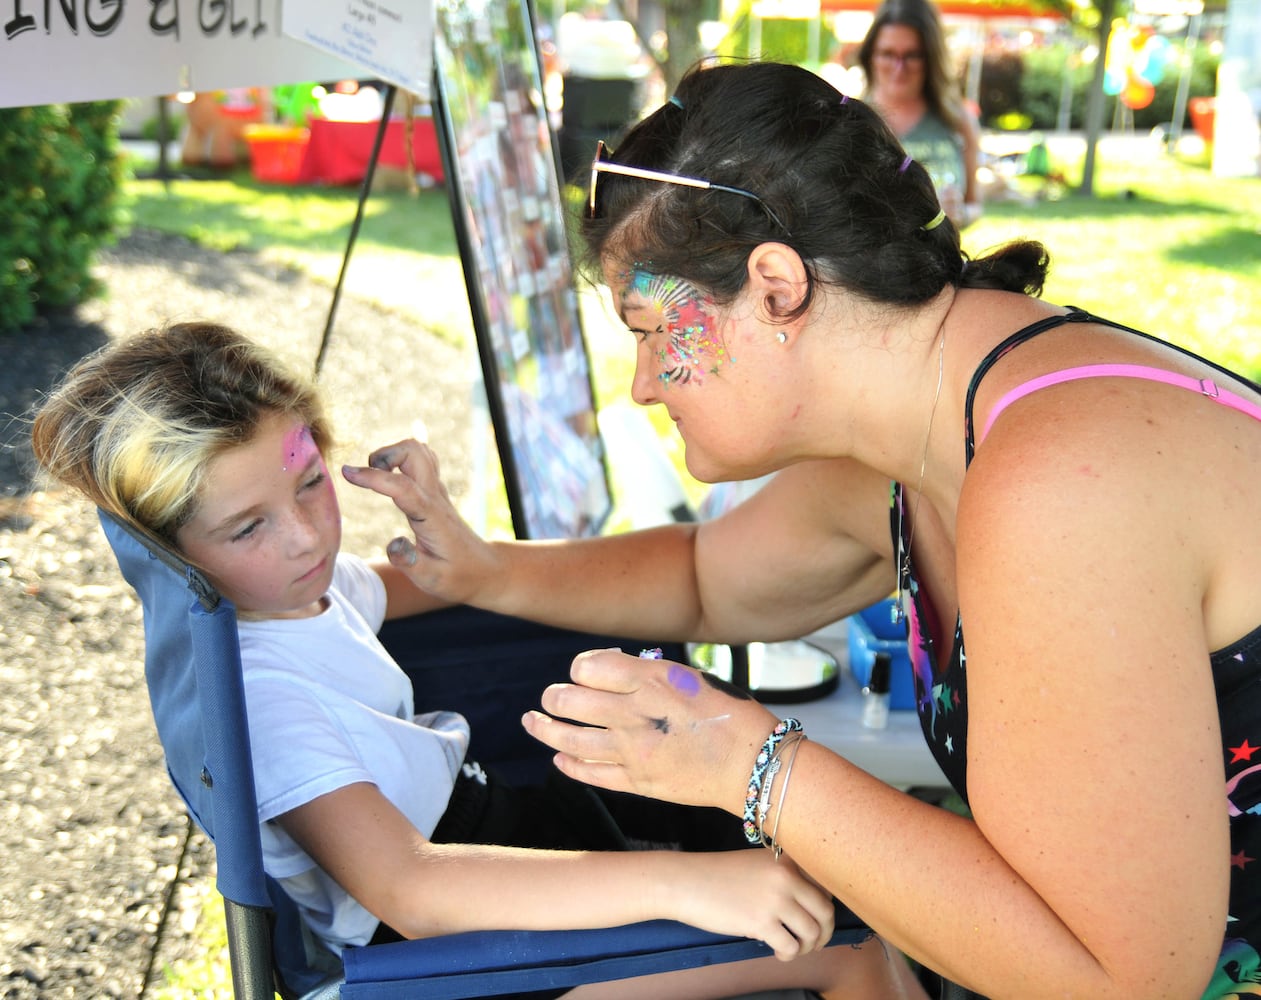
{"type": "Point", "coordinates": [59, 204]}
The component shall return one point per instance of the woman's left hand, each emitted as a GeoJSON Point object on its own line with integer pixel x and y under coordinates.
{"type": "Point", "coordinates": [653, 727]}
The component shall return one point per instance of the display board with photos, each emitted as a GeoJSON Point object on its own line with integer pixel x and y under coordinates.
{"type": "Point", "coordinates": [503, 179]}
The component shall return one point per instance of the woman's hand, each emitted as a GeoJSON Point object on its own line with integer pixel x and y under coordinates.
{"type": "Point", "coordinates": [444, 557]}
{"type": "Point", "coordinates": [750, 894]}
{"type": "Point", "coordinates": [653, 727]}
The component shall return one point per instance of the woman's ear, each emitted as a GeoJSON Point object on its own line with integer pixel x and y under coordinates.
{"type": "Point", "coordinates": [777, 279]}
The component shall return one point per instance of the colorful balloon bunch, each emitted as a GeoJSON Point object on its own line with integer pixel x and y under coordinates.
{"type": "Point", "coordinates": [1136, 61]}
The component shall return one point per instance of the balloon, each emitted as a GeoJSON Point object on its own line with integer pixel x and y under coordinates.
{"type": "Point", "coordinates": [1155, 58]}
{"type": "Point", "coordinates": [1120, 50]}
{"type": "Point", "coordinates": [1113, 82]}
{"type": "Point", "coordinates": [1138, 93]}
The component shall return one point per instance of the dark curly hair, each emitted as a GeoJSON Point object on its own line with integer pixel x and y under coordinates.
{"type": "Point", "coordinates": [834, 181]}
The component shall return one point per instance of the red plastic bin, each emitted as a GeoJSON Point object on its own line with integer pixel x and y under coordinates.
{"type": "Point", "coordinates": [276, 152]}
{"type": "Point", "coordinates": [1203, 110]}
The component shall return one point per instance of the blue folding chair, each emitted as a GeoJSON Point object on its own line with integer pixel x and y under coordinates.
{"type": "Point", "coordinates": [193, 671]}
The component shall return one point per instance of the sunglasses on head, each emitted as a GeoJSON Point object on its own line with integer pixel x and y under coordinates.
{"type": "Point", "coordinates": [603, 165]}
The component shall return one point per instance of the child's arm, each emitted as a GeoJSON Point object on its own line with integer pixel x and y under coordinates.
{"type": "Point", "coordinates": [422, 889]}
{"type": "Point", "coordinates": [402, 597]}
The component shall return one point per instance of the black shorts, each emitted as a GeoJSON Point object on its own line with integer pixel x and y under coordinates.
{"type": "Point", "coordinates": [563, 814]}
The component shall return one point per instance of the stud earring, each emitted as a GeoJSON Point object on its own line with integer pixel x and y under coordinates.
{"type": "Point", "coordinates": [782, 337]}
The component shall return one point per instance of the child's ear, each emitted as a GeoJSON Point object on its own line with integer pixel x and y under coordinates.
{"type": "Point", "coordinates": [778, 277]}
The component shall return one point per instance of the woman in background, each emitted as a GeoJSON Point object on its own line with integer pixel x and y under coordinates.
{"type": "Point", "coordinates": [906, 64]}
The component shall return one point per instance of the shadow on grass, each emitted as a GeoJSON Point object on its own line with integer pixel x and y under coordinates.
{"type": "Point", "coordinates": [1226, 249]}
{"type": "Point", "coordinates": [1223, 246]}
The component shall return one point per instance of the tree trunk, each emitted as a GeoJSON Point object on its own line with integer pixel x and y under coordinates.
{"type": "Point", "coordinates": [1094, 106]}
{"type": "Point", "coordinates": [683, 20]}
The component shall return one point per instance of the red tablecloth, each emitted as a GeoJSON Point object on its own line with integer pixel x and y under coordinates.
{"type": "Point", "coordinates": [338, 152]}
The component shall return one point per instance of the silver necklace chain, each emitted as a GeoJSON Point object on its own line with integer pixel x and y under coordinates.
{"type": "Point", "coordinates": [904, 551]}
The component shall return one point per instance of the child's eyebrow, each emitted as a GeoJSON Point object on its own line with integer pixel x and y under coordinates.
{"type": "Point", "coordinates": [228, 523]}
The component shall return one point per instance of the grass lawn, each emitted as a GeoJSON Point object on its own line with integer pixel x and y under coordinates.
{"type": "Point", "coordinates": [405, 246]}
{"type": "Point", "coordinates": [1164, 246]}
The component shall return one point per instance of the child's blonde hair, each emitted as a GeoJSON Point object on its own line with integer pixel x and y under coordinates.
{"type": "Point", "coordinates": [135, 425]}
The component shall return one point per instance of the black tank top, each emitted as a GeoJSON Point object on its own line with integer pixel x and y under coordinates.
{"type": "Point", "coordinates": [942, 703]}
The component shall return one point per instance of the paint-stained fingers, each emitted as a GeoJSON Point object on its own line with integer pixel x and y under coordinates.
{"type": "Point", "coordinates": [407, 472]}
{"type": "Point", "coordinates": [602, 695]}
{"type": "Point", "coordinates": [609, 670]}
{"type": "Point", "coordinates": [600, 774]}
{"type": "Point", "coordinates": [413, 458]}
{"type": "Point", "coordinates": [574, 739]}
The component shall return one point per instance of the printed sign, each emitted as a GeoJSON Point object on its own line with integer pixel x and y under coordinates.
{"type": "Point", "coordinates": [88, 50]}
{"type": "Point", "coordinates": [391, 39]}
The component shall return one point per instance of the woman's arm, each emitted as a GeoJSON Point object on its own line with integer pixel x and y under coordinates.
{"type": "Point", "coordinates": [422, 889]}
{"type": "Point", "coordinates": [1097, 863]}
{"type": "Point", "coordinates": [751, 574]}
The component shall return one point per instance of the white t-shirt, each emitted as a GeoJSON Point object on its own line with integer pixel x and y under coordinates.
{"type": "Point", "coordinates": [329, 707]}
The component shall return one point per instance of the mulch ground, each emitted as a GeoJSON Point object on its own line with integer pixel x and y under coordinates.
{"type": "Point", "coordinates": [103, 879]}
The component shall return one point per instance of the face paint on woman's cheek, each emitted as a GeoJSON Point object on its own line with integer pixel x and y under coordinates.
{"type": "Point", "coordinates": [694, 348]}
{"type": "Point", "coordinates": [298, 448]}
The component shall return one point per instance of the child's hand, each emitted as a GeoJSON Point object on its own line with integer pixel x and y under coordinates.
{"type": "Point", "coordinates": [750, 894]}
{"type": "Point", "coordinates": [444, 557]}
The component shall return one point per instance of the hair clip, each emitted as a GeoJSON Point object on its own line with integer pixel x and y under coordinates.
{"type": "Point", "coordinates": [905, 163]}
{"type": "Point", "coordinates": [844, 98]}
{"type": "Point", "coordinates": [935, 221]}
{"type": "Point", "coordinates": [676, 102]}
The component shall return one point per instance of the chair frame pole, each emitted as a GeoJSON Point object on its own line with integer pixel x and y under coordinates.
{"type": "Point", "coordinates": [249, 951]}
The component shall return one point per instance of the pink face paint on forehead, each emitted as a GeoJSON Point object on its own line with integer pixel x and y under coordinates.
{"type": "Point", "coordinates": [690, 321]}
{"type": "Point", "coordinates": [298, 448]}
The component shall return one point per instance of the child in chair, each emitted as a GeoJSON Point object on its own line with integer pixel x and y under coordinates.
{"type": "Point", "coordinates": [371, 817]}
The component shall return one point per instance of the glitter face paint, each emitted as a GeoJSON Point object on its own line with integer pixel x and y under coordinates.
{"type": "Point", "coordinates": [297, 448]}
{"type": "Point", "coordinates": [689, 319]}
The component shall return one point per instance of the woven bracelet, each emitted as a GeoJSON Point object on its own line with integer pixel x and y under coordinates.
{"type": "Point", "coordinates": [761, 765]}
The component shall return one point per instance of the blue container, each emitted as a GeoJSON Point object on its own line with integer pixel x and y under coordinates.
{"type": "Point", "coordinates": [873, 631]}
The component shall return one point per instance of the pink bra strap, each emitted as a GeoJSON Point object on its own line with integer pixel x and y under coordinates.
{"type": "Point", "coordinates": [1205, 387]}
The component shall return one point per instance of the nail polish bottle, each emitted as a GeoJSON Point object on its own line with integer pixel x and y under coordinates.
{"type": "Point", "coordinates": [876, 693]}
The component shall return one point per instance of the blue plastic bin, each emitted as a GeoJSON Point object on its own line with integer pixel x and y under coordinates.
{"type": "Point", "coordinates": [873, 631]}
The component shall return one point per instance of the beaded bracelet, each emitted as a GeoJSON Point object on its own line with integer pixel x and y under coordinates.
{"type": "Point", "coordinates": [761, 765]}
